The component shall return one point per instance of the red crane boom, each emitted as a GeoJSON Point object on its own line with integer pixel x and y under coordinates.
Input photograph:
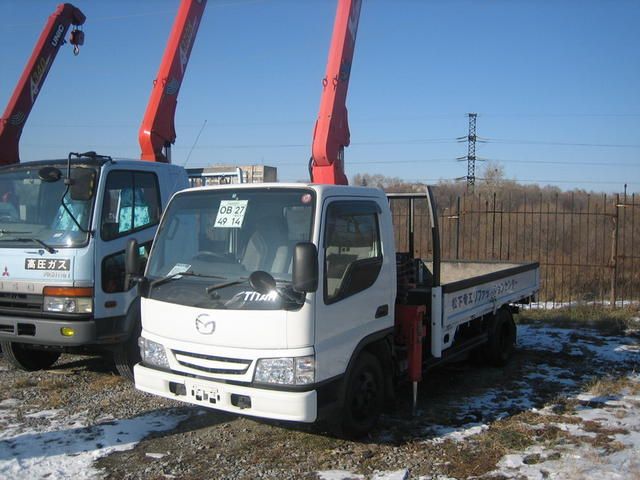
{"type": "Point", "coordinates": [33, 76]}
{"type": "Point", "coordinates": [158, 132]}
{"type": "Point", "coordinates": [331, 133]}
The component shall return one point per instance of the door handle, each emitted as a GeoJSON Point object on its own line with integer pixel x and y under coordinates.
{"type": "Point", "coordinates": [382, 311]}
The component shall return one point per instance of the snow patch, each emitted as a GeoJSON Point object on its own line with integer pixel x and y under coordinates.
{"type": "Point", "coordinates": [617, 415]}
{"type": "Point", "coordinates": [65, 446]}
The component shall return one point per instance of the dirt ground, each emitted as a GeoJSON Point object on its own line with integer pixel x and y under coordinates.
{"type": "Point", "coordinates": [210, 444]}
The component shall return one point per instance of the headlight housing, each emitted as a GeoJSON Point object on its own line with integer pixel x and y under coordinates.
{"type": "Point", "coordinates": [286, 370]}
{"type": "Point", "coordinates": [153, 353]}
{"type": "Point", "coordinates": [67, 300]}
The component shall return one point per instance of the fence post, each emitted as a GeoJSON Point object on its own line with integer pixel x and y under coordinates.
{"type": "Point", "coordinates": [614, 253]}
{"type": "Point", "coordinates": [458, 229]}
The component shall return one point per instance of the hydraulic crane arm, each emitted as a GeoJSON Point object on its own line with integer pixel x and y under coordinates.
{"type": "Point", "coordinates": [33, 76]}
{"type": "Point", "coordinates": [331, 133]}
{"type": "Point", "coordinates": [158, 131]}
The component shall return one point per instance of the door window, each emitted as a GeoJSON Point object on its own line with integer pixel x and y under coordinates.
{"type": "Point", "coordinates": [352, 252]}
{"type": "Point", "coordinates": [131, 203]}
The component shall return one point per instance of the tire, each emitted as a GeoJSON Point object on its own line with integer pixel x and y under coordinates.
{"type": "Point", "coordinates": [364, 397]}
{"type": "Point", "coordinates": [127, 354]}
{"type": "Point", "coordinates": [23, 357]}
{"type": "Point", "coordinates": [502, 338]}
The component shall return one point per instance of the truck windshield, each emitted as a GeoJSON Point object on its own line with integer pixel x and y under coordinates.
{"type": "Point", "coordinates": [219, 237]}
{"type": "Point", "coordinates": [31, 210]}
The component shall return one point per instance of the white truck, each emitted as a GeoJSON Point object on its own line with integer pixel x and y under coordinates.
{"type": "Point", "coordinates": [284, 301]}
{"type": "Point", "coordinates": [64, 226]}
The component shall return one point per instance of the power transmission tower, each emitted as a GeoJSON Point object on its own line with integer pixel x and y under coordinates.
{"type": "Point", "coordinates": [471, 139]}
{"type": "Point", "coordinates": [471, 152]}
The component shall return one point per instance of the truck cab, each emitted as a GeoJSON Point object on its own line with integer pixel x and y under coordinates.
{"type": "Point", "coordinates": [213, 335]}
{"type": "Point", "coordinates": [64, 225]}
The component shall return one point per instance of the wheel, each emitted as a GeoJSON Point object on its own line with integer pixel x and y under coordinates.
{"type": "Point", "coordinates": [127, 354]}
{"type": "Point", "coordinates": [364, 396]}
{"type": "Point", "coordinates": [502, 338]}
{"type": "Point", "coordinates": [23, 357]}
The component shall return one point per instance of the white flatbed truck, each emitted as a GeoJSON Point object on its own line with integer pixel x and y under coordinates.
{"type": "Point", "coordinates": [287, 301]}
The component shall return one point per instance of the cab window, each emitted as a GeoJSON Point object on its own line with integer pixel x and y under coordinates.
{"type": "Point", "coordinates": [353, 257]}
{"type": "Point", "coordinates": [131, 203]}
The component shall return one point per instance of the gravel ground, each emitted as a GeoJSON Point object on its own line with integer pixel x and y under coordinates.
{"type": "Point", "coordinates": [217, 445]}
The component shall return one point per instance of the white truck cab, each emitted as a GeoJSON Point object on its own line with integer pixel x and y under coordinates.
{"type": "Point", "coordinates": [209, 337]}
{"type": "Point", "coordinates": [280, 301]}
{"type": "Point", "coordinates": [64, 225]}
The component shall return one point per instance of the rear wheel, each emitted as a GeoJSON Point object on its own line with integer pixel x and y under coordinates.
{"type": "Point", "coordinates": [127, 354]}
{"type": "Point", "coordinates": [24, 357]}
{"type": "Point", "coordinates": [502, 338]}
{"type": "Point", "coordinates": [364, 397]}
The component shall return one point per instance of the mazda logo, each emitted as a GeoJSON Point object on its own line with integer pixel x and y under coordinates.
{"type": "Point", "coordinates": [204, 324]}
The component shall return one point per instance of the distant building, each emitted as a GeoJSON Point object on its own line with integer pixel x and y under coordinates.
{"type": "Point", "coordinates": [217, 174]}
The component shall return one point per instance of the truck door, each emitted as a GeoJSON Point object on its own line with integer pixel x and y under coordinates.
{"type": "Point", "coordinates": [355, 292]}
{"type": "Point", "coordinates": [130, 209]}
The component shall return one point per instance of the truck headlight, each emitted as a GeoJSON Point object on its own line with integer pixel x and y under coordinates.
{"type": "Point", "coordinates": [67, 300]}
{"type": "Point", "coordinates": [286, 371]}
{"type": "Point", "coordinates": [153, 353]}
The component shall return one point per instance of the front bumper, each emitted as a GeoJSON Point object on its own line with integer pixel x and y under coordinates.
{"type": "Point", "coordinates": [46, 331]}
{"type": "Point", "coordinates": [264, 403]}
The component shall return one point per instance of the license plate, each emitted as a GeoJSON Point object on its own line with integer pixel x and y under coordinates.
{"type": "Point", "coordinates": [203, 394]}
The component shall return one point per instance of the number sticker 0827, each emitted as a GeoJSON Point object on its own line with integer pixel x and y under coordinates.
{"type": "Point", "coordinates": [231, 214]}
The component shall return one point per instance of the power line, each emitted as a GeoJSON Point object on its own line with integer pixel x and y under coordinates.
{"type": "Point", "coordinates": [569, 144]}
{"type": "Point", "coordinates": [577, 182]}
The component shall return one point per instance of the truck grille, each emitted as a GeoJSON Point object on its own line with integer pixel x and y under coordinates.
{"type": "Point", "coordinates": [20, 302]}
{"type": "Point", "coordinates": [211, 364]}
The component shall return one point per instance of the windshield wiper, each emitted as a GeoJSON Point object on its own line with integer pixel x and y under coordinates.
{"type": "Point", "coordinates": [48, 248]}
{"type": "Point", "coordinates": [217, 286]}
{"type": "Point", "coordinates": [160, 281]}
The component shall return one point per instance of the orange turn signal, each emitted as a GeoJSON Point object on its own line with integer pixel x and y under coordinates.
{"type": "Point", "coordinates": [68, 292]}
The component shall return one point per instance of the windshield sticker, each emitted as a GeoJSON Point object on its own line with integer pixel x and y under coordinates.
{"type": "Point", "coordinates": [179, 268]}
{"type": "Point", "coordinates": [231, 214]}
{"type": "Point", "coordinates": [59, 264]}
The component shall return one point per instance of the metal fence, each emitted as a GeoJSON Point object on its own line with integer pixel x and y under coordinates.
{"type": "Point", "coordinates": [588, 246]}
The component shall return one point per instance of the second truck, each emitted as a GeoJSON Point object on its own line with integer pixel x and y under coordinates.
{"type": "Point", "coordinates": [64, 224]}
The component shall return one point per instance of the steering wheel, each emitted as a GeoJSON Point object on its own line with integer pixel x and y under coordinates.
{"type": "Point", "coordinates": [209, 256]}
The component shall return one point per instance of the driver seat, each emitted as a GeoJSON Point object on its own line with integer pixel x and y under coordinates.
{"type": "Point", "coordinates": [268, 247]}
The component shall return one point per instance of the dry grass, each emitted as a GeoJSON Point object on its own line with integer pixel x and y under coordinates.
{"type": "Point", "coordinates": [25, 382]}
{"type": "Point", "coordinates": [51, 383]}
{"type": "Point", "coordinates": [480, 453]}
{"type": "Point", "coordinates": [610, 386]}
{"type": "Point", "coordinates": [610, 321]}
{"type": "Point", "coordinates": [106, 382]}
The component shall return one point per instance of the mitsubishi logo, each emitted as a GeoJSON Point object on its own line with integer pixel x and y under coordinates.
{"type": "Point", "coordinates": [6, 272]}
{"type": "Point", "coordinates": [204, 324]}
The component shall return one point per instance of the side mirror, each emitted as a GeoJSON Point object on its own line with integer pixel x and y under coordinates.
{"type": "Point", "coordinates": [131, 262]}
{"type": "Point", "coordinates": [262, 282]}
{"type": "Point", "coordinates": [305, 267]}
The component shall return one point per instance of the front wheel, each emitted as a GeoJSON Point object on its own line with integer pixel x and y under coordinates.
{"type": "Point", "coordinates": [364, 397]}
{"type": "Point", "coordinates": [127, 354]}
{"type": "Point", "coordinates": [24, 357]}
